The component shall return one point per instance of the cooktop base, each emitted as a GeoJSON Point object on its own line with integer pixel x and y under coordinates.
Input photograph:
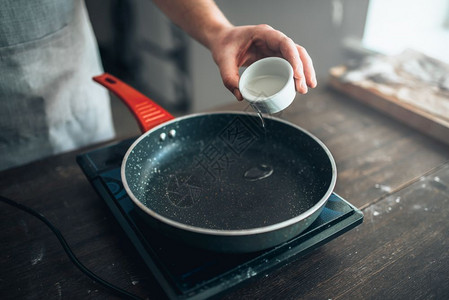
{"type": "Point", "coordinates": [185, 272]}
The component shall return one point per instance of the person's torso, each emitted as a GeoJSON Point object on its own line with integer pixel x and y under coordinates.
{"type": "Point", "coordinates": [48, 102]}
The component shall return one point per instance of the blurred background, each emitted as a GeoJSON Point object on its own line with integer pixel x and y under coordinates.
{"type": "Point", "coordinates": [141, 46]}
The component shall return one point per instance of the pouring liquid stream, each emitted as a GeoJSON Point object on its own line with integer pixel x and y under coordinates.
{"type": "Point", "coordinates": [262, 170]}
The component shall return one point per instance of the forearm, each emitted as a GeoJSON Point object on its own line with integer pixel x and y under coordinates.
{"type": "Point", "coordinates": [201, 19]}
{"type": "Point", "coordinates": [235, 46]}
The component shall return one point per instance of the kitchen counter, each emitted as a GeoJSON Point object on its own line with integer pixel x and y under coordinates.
{"type": "Point", "coordinates": [398, 177]}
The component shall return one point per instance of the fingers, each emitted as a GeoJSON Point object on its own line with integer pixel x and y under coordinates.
{"type": "Point", "coordinates": [230, 75]}
{"type": "Point", "coordinates": [304, 72]}
{"type": "Point", "coordinates": [243, 45]}
{"type": "Point", "coordinates": [309, 70]}
{"type": "Point", "coordinates": [298, 68]}
{"type": "Point", "coordinates": [288, 50]}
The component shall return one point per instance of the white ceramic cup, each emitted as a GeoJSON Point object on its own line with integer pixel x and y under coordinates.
{"type": "Point", "coordinates": [268, 85]}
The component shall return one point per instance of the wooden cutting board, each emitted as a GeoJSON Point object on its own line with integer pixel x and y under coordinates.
{"type": "Point", "coordinates": [389, 84]}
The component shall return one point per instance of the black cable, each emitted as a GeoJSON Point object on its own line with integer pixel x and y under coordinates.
{"type": "Point", "coordinates": [69, 251]}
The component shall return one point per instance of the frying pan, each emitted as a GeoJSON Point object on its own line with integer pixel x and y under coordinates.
{"type": "Point", "coordinates": [222, 181]}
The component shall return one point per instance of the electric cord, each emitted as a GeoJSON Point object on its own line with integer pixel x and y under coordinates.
{"type": "Point", "coordinates": [115, 289]}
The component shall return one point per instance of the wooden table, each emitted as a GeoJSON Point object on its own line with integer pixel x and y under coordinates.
{"type": "Point", "coordinates": [398, 177]}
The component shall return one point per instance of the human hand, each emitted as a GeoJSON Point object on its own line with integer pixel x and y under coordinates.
{"type": "Point", "coordinates": [234, 47]}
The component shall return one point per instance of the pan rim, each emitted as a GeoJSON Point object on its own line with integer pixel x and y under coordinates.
{"type": "Point", "coordinates": [233, 232]}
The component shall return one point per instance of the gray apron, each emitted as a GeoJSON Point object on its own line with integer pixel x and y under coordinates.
{"type": "Point", "coordinates": [48, 102]}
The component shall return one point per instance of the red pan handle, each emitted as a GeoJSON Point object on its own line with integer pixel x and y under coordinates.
{"type": "Point", "coordinates": [147, 112]}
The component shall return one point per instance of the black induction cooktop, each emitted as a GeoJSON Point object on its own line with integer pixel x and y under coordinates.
{"type": "Point", "coordinates": [190, 273]}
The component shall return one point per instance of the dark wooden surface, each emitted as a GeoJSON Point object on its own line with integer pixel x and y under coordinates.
{"type": "Point", "coordinates": [398, 177]}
